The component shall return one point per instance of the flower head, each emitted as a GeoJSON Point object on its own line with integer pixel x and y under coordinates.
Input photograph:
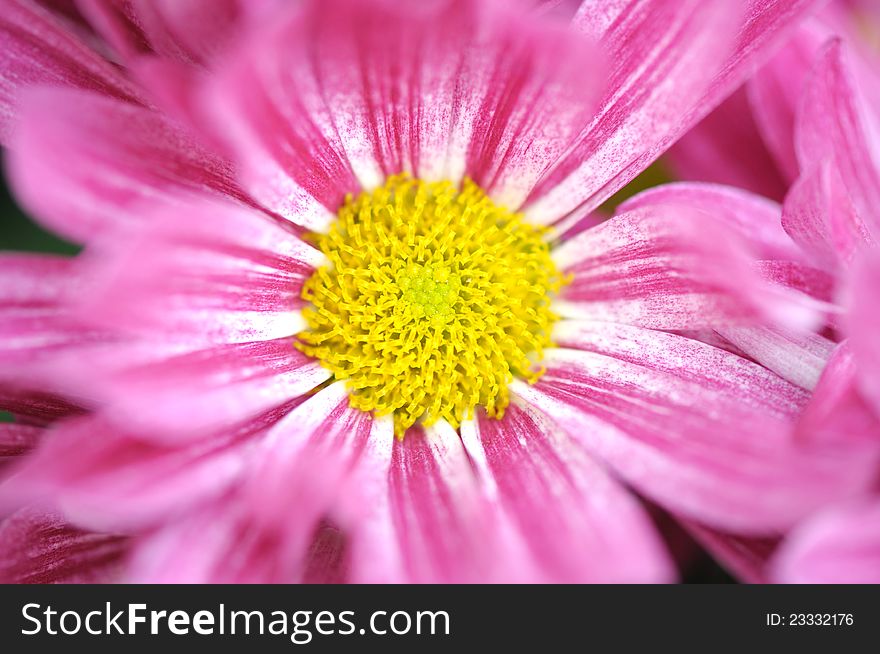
{"type": "Point", "coordinates": [372, 218]}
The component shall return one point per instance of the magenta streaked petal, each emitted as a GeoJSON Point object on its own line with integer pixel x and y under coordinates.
{"type": "Point", "coordinates": [445, 530]}
{"type": "Point", "coordinates": [673, 64]}
{"type": "Point", "coordinates": [36, 48]}
{"type": "Point", "coordinates": [360, 91]}
{"type": "Point", "coordinates": [191, 395]}
{"type": "Point", "coordinates": [838, 546]}
{"type": "Point", "coordinates": [699, 430]}
{"type": "Point", "coordinates": [578, 523]}
{"type": "Point", "coordinates": [40, 548]}
{"type": "Point", "coordinates": [82, 163]}
{"type": "Point", "coordinates": [795, 356]}
{"type": "Point", "coordinates": [672, 266]}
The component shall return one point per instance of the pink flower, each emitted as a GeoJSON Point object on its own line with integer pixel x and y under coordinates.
{"type": "Point", "coordinates": [232, 455]}
{"type": "Point", "coordinates": [815, 108]}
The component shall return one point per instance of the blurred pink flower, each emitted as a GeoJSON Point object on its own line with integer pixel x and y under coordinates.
{"type": "Point", "coordinates": [220, 445]}
{"type": "Point", "coordinates": [812, 112]}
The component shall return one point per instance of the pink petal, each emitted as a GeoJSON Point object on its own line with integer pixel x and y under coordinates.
{"type": "Point", "coordinates": [200, 271]}
{"type": "Point", "coordinates": [671, 266]}
{"type": "Point", "coordinates": [35, 48]}
{"type": "Point", "coordinates": [553, 495]}
{"type": "Point", "coordinates": [81, 162]}
{"type": "Point", "coordinates": [862, 323]}
{"type": "Point", "coordinates": [835, 121]}
{"type": "Point", "coordinates": [838, 546]}
{"type": "Point", "coordinates": [191, 395]}
{"type": "Point", "coordinates": [193, 31]}
{"type": "Point", "coordinates": [327, 561]}
{"type": "Point", "coordinates": [301, 469]}
{"type": "Point", "coordinates": [727, 148]}
{"type": "Point", "coordinates": [36, 326]}
{"type": "Point", "coordinates": [699, 430]}
{"type": "Point", "coordinates": [35, 407]}
{"type": "Point", "coordinates": [775, 92]}
{"type": "Point", "coordinates": [755, 217]}
{"type": "Point", "coordinates": [37, 548]}
{"type": "Point", "coordinates": [795, 356]}
{"type": "Point", "coordinates": [307, 461]}
{"type": "Point", "coordinates": [821, 218]}
{"type": "Point", "coordinates": [86, 461]}
{"type": "Point", "coordinates": [673, 64]}
{"type": "Point", "coordinates": [443, 526]}
{"type": "Point", "coordinates": [354, 92]}
{"type": "Point", "coordinates": [837, 412]}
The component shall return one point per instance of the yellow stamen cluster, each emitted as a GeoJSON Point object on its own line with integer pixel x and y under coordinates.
{"type": "Point", "coordinates": [435, 298]}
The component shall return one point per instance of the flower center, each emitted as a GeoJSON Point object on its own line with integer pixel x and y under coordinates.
{"type": "Point", "coordinates": [435, 299]}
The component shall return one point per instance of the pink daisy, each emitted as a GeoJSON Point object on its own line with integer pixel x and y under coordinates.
{"type": "Point", "coordinates": [393, 345]}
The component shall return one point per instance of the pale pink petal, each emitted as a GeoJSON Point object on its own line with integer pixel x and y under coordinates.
{"type": "Point", "coordinates": [35, 325]}
{"type": "Point", "coordinates": [191, 395]}
{"type": "Point", "coordinates": [39, 548]}
{"type": "Point", "coordinates": [81, 162]}
{"type": "Point", "coordinates": [35, 48]}
{"type": "Point", "coordinates": [200, 271]}
{"type": "Point", "coordinates": [673, 64]}
{"type": "Point", "coordinates": [699, 430]}
{"type": "Point", "coordinates": [753, 216]}
{"type": "Point", "coordinates": [835, 121]}
{"type": "Point", "coordinates": [726, 148]}
{"type": "Point", "coordinates": [672, 266]}
{"type": "Point", "coordinates": [798, 357]}
{"type": "Point", "coordinates": [821, 218]}
{"type": "Point", "coordinates": [862, 323]}
{"type": "Point", "coordinates": [578, 524]}
{"type": "Point", "coordinates": [838, 546]}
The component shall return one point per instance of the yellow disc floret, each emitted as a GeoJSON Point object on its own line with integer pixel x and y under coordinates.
{"type": "Point", "coordinates": [434, 299]}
